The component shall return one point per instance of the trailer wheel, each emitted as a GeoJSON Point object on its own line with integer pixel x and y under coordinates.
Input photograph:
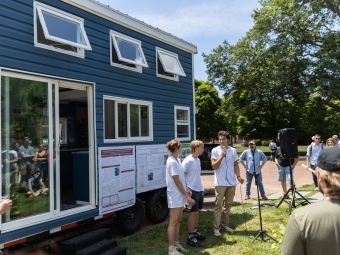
{"type": "Point", "coordinates": [129, 220]}
{"type": "Point", "coordinates": [156, 207]}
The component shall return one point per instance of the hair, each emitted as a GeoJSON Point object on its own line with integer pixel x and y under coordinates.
{"type": "Point", "coordinates": [195, 144]}
{"type": "Point", "coordinates": [317, 135]}
{"type": "Point", "coordinates": [330, 140]}
{"type": "Point", "coordinates": [224, 133]}
{"type": "Point", "coordinates": [332, 181]}
{"type": "Point", "coordinates": [173, 145]}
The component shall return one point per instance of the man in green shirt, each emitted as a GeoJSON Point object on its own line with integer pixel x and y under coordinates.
{"type": "Point", "coordinates": [315, 228]}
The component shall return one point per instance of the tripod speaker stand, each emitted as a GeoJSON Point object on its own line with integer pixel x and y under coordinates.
{"type": "Point", "coordinates": [289, 149]}
{"type": "Point", "coordinates": [262, 233]}
{"type": "Point", "coordinates": [294, 191]}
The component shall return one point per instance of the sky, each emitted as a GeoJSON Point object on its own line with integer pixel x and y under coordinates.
{"type": "Point", "coordinates": [204, 23]}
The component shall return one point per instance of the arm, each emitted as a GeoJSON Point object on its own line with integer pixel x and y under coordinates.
{"type": "Point", "coordinates": [35, 159]}
{"type": "Point", "coordinates": [42, 185]}
{"type": "Point", "coordinates": [296, 160]}
{"type": "Point", "coordinates": [5, 205]}
{"type": "Point", "coordinates": [237, 172]}
{"type": "Point", "coordinates": [308, 157]}
{"type": "Point", "coordinates": [215, 163]}
{"type": "Point", "coordinates": [24, 155]}
{"type": "Point", "coordinates": [181, 189]}
{"type": "Point", "coordinates": [263, 160]}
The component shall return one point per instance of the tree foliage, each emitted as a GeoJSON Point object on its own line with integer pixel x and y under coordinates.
{"type": "Point", "coordinates": [209, 121]}
{"type": "Point", "coordinates": [286, 67]}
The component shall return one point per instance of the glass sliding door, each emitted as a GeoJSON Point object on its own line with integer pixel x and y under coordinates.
{"type": "Point", "coordinates": [25, 142]}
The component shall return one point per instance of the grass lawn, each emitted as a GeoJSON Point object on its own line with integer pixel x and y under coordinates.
{"type": "Point", "coordinates": [244, 220]}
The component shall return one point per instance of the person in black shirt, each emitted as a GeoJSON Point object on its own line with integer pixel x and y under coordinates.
{"type": "Point", "coordinates": [283, 171]}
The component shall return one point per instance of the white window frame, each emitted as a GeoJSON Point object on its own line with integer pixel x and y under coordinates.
{"type": "Point", "coordinates": [113, 42]}
{"type": "Point", "coordinates": [159, 52]}
{"type": "Point", "coordinates": [181, 123]}
{"type": "Point", "coordinates": [37, 10]}
{"type": "Point", "coordinates": [119, 100]}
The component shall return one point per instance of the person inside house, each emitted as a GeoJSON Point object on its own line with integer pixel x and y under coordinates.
{"type": "Point", "coordinates": [315, 228]}
{"type": "Point", "coordinates": [41, 161]}
{"type": "Point", "coordinates": [26, 152]}
{"type": "Point", "coordinates": [10, 167]}
{"type": "Point", "coordinates": [36, 186]}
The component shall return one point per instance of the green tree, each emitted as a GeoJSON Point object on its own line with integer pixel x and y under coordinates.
{"type": "Point", "coordinates": [209, 120]}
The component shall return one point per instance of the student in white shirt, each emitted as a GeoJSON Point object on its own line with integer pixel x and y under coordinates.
{"type": "Point", "coordinates": [192, 170]}
{"type": "Point", "coordinates": [177, 195]}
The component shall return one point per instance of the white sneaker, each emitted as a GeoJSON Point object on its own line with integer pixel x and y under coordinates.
{"type": "Point", "coordinates": [226, 228]}
{"type": "Point", "coordinates": [217, 232]}
{"type": "Point", "coordinates": [316, 188]}
{"type": "Point", "coordinates": [174, 251]}
{"type": "Point", "coordinates": [179, 247]}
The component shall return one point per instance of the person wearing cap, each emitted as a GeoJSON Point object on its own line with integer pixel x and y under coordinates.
{"type": "Point", "coordinates": [315, 228]}
{"type": "Point", "coordinates": [224, 161]}
{"type": "Point", "coordinates": [255, 160]}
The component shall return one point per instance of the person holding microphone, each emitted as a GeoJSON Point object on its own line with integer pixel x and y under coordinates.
{"type": "Point", "coordinates": [224, 161]}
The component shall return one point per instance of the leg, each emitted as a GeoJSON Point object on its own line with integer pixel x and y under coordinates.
{"type": "Point", "coordinates": [248, 184]}
{"type": "Point", "coordinates": [261, 188]}
{"type": "Point", "coordinates": [192, 221]}
{"type": "Point", "coordinates": [174, 223]}
{"type": "Point", "coordinates": [315, 180]}
{"type": "Point", "coordinates": [219, 192]}
{"type": "Point", "coordinates": [229, 199]}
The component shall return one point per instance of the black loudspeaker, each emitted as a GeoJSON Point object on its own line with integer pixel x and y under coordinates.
{"type": "Point", "coordinates": [288, 144]}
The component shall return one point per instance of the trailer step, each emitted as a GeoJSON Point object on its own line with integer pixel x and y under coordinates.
{"type": "Point", "coordinates": [98, 247]}
{"type": "Point", "coordinates": [96, 242]}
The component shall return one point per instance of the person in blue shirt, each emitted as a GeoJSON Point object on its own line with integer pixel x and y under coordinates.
{"type": "Point", "coordinates": [253, 160]}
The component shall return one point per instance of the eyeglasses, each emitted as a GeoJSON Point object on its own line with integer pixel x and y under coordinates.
{"type": "Point", "coordinates": [317, 138]}
{"type": "Point", "coordinates": [37, 174]}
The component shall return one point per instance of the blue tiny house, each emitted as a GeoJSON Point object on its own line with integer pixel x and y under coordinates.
{"type": "Point", "coordinates": [77, 76]}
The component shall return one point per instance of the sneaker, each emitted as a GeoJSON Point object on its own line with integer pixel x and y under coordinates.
{"type": "Point", "coordinates": [199, 236]}
{"type": "Point", "coordinates": [247, 197]}
{"type": "Point", "coordinates": [264, 198]}
{"type": "Point", "coordinates": [316, 188]}
{"type": "Point", "coordinates": [226, 228]}
{"type": "Point", "coordinates": [174, 251]}
{"type": "Point", "coordinates": [217, 232]}
{"type": "Point", "coordinates": [179, 247]}
{"type": "Point", "coordinates": [191, 240]}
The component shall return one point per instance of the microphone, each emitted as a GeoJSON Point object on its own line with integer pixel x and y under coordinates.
{"type": "Point", "coordinates": [224, 149]}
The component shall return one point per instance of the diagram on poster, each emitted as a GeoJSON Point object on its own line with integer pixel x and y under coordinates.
{"type": "Point", "coordinates": [150, 164]}
{"type": "Point", "coordinates": [117, 178]}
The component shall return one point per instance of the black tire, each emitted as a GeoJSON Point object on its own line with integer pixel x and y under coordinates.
{"type": "Point", "coordinates": [156, 207]}
{"type": "Point", "coordinates": [129, 220]}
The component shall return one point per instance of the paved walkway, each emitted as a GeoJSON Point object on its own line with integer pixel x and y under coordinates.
{"type": "Point", "coordinates": [272, 187]}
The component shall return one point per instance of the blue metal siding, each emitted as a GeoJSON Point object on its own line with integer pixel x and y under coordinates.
{"type": "Point", "coordinates": [17, 51]}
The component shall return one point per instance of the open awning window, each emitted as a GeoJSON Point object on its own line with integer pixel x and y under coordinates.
{"type": "Point", "coordinates": [170, 62]}
{"type": "Point", "coordinates": [62, 27]}
{"type": "Point", "coordinates": [128, 49]}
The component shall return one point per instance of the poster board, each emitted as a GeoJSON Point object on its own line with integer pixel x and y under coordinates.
{"type": "Point", "coordinates": [150, 165]}
{"type": "Point", "coordinates": [116, 171]}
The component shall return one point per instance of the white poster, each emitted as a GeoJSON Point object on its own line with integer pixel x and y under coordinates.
{"type": "Point", "coordinates": [150, 164]}
{"type": "Point", "coordinates": [116, 178]}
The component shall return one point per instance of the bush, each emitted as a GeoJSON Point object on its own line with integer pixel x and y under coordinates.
{"type": "Point", "coordinates": [265, 143]}
{"type": "Point", "coordinates": [258, 142]}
